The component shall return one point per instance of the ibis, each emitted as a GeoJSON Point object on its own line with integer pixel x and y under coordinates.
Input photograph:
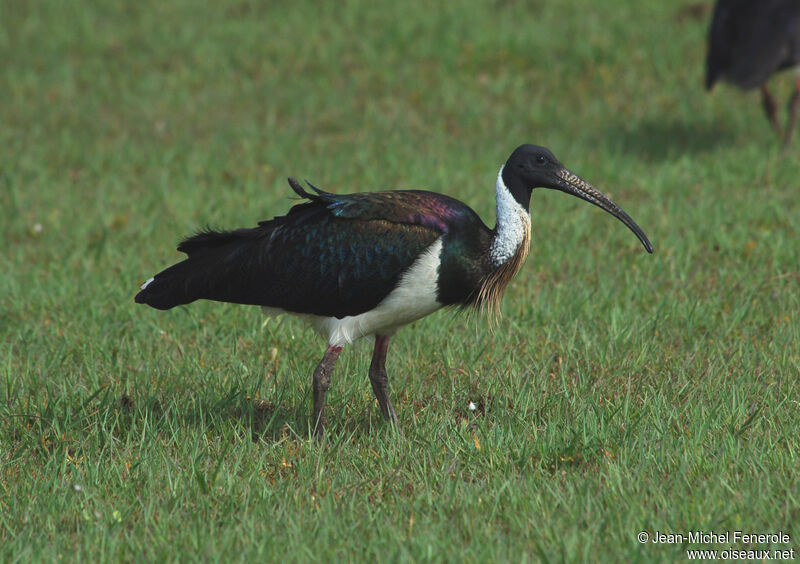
{"type": "Point", "coordinates": [366, 264]}
{"type": "Point", "coordinates": [748, 42]}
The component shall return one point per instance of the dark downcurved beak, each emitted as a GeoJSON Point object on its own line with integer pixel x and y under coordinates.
{"type": "Point", "coordinates": [573, 184]}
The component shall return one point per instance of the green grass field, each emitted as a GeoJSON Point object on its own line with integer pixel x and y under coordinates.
{"type": "Point", "coordinates": [620, 392]}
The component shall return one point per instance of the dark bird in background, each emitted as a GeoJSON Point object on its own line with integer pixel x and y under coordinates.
{"type": "Point", "coordinates": [355, 265]}
{"type": "Point", "coordinates": [748, 42]}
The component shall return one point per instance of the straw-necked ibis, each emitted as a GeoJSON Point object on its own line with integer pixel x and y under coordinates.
{"type": "Point", "coordinates": [355, 265]}
{"type": "Point", "coordinates": [749, 41]}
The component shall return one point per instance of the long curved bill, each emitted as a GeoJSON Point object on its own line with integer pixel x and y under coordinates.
{"type": "Point", "coordinates": [571, 183]}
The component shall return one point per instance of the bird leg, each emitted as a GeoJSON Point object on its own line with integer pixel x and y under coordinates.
{"type": "Point", "coordinates": [380, 381]}
{"type": "Point", "coordinates": [322, 381]}
{"type": "Point", "coordinates": [794, 102]}
{"type": "Point", "coordinates": [770, 108]}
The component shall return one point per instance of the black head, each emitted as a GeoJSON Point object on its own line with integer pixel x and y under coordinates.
{"type": "Point", "coordinates": [529, 167]}
{"type": "Point", "coordinates": [532, 166]}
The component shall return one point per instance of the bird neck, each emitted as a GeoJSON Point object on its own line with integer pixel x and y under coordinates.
{"type": "Point", "coordinates": [512, 234]}
{"type": "Point", "coordinates": [508, 249]}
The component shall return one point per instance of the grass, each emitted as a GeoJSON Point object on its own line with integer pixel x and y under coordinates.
{"type": "Point", "coordinates": [619, 393]}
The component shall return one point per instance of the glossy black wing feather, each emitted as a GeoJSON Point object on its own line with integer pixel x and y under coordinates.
{"type": "Point", "coordinates": [335, 267]}
{"type": "Point", "coordinates": [417, 207]}
{"type": "Point", "coordinates": [309, 261]}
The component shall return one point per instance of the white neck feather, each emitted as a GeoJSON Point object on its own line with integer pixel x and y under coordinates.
{"type": "Point", "coordinates": [513, 223]}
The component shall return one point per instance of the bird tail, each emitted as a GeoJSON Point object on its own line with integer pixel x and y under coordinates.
{"type": "Point", "coordinates": [209, 272]}
{"type": "Point", "coordinates": [177, 285]}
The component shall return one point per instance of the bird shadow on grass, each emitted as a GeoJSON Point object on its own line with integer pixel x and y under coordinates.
{"type": "Point", "coordinates": [263, 420]}
{"type": "Point", "coordinates": [270, 421]}
{"type": "Point", "coordinates": [658, 140]}
{"type": "Point", "coordinates": [267, 421]}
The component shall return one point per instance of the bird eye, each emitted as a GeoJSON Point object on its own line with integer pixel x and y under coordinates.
{"type": "Point", "coordinates": [540, 159]}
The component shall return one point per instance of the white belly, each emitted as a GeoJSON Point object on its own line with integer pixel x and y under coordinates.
{"type": "Point", "coordinates": [414, 298]}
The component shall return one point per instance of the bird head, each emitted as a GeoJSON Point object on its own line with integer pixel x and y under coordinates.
{"type": "Point", "coordinates": [532, 166]}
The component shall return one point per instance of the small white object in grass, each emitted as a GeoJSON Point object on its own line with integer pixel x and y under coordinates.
{"type": "Point", "coordinates": [37, 227]}
{"type": "Point", "coordinates": [77, 487]}
{"type": "Point", "coordinates": [472, 406]}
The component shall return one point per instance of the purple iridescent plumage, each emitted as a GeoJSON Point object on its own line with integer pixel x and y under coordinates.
{"type": "Point", "coordinates": [417, 207]}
